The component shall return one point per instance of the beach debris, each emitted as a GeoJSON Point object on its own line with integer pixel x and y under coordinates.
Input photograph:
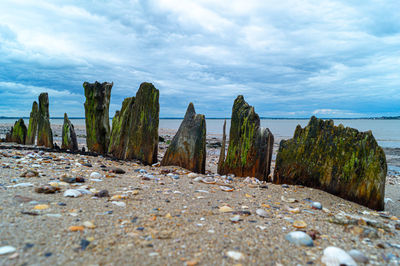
{"type": "Point", "coordinates": [236, 255]}
{"type": "Point", "coordinates": [299, 224]}
{"type": "Point", "coordinates": [299, 238]}
{"type": "Point", "coordinates": [33, 125]}
{"type": "Point", "coordinates": [4, 250]}
{"type": "Point", "coordinates": [250, 146]}
{"type": "Point", "coordinates": [76, 228]}
{"type": "Point", "coordinates": [68, 139]}
{"type": "Point", "coordinates": [334, 256]}
{"type": "Point", "coordinates": [89, 224]}
{"type": "Point", "coordinates": [44, 135]}
{"type": "Point", "coordinates": [359, 163]}
{"type": "Point", "coordinates": [135, 128]}
{"type": "Point", "coordinates": [188, 147]}
{"type": "Point", "coordinates": [358, 256]}
{"type": "Point", "coordinates": [97, 115]}
{"type": "Point", "coordinates": [41, 207]}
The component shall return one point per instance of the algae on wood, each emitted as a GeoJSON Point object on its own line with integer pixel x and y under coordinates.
{"type": "Point", "coordinates": [250, 146]}
{"type": "Point", "coordinates": [339, 160]}
{"type": "Point", "coordinates": [188, 147]}
{"type": "Point", "coordinates": [68, 139]}
{"type": "Point", "coordinates": [33, 124]}
{"type": "Point", "coordinates": [45, 135]}
{"type": "Point", "coordinates": [18, 132]}
{"type": "Point", "coordinates": [97, 115]}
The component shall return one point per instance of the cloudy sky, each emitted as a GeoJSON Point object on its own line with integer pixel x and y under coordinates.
{"type": "Point", "coordinates": [289, 58]}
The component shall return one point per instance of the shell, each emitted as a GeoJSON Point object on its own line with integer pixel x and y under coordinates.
{"type": "Point", "coordinates": [334, 256]}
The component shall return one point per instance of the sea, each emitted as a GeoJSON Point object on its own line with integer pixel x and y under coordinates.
{"type": "Point", "coordinates": [386, 132]}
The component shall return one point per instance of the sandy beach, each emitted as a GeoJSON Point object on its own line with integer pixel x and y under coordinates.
{"type": "Point", "coordinates": [169, 216]}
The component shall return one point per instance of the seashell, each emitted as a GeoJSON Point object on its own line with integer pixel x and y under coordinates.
{"type": "Point", "coordinates": [316, 205]}
{"type": "Point", "coordinates": [262, 213]}
{"type": "Point", "coordinates": [89, 224]}
{"type": "Point", "coordinates": [95, 175]}
{"type": "Point", "coordinates": [119, 203]}
{"type": "Point", "coordinates": [7, 250]}
{"type": "Point", "coordinates": [208, 180]}
{"type": "Point", "coordinates": [41, 207]}
{"type": "Point", "coordinates": [334, 256]}
{"type": "Point", "coordinates": [358, 256]}
{"type": "Point", "coordinates": [235, 255]}
{"type": "Point", "coordinates": [235, 219]}
{"type": "Point", "coordinates": [299, 224]}
{"type": "Point", "coordinates": [192, 175]}
{"type": "Point", "coordinates": [225, 209]}
{"type": "Point", "coordinates": [72, 193]}
{"type": "Point", "coordinates": [226, 189]}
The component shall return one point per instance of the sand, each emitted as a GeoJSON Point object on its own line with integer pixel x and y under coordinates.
{"type": "Point", "coordinates": [167, 221]}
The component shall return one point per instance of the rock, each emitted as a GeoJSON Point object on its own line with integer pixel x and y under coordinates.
{"type": "Point", "coordinates": [235, 255]}
{"type": "Point", "coordinates": [342, 161]}
{"type": "Point", "coordinates": [299, 224]}
{"type": "Point", "coordinates": [119, 203]}
{"type": "Point", "coordinates": [95, 175]}
{"type": "Point", "coordinates": [29, 173]}
{"type": "Point", "coordinates": [89, 224]}
{"type": "Point", "coordinates": [358, 256]}
{"type": "Point", "coordinates": [334, 256]}
{"type": "Point", "coordinates": [74, 193]}
{"type": "Point", "coordinates": [18, 132]}
{"type": "Point", "coordinates": [41, 207]}
{"type": "Point", "coordinates": [4, 250]}
{"type": "Point", "coordinates": [23, 185]}
{"type": "Point", "coordinates": [102, 193]}
{"type": "Point", "coordinates": [192, 175]}
{"type": "Point", "coordinates": [47, 189]}
{"type": "Point", "coordinates": [117, 170]}
{"type": "Point", "coordinates": [75, 228]}
{"type": "Point", "coordinates": [33, 125]}
{"type": "Point", "coordinates": [225, 209]}
{"type": "Point", "coordinates": [299, 239]}
{"type": "Point", "coordinates": [250, 146]}
{"type": "Point", "coordinates": [68, 140]}
{"type": "Point", "coordinates": [45, 135]}
{"type": "Point", "coordinates": [188, 147]}
{"type": "Point", "coordinates": [135, 128]}
{"type": "Point", "coordinates": [97, 115]}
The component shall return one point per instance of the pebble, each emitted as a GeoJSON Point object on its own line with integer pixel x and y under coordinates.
{"type": "Point", "coordinates": [235, 219]}
{"type": "Point", "coordinates": [47, 189]}
{"type": "Point", "coordinates": [192, 175]}
{"type": "Point", "coordinates": [262, 213]}
{"type": "Point", "coordinates": [226, 189]}
{"type": "Point", "coordinates": [316, 205]}
{"type": "Point", "coordinates": [76, 228]}
{"type": "Point", "coordinates": [235, 255]}
{"type": "Point", "coordinates": [299, 224]}
{"type": "Point", "coordinates": [102, 193]}
{"type": "Point", "coordinates": [299, 238]}
{"type": "Point", "coordinates": [89, 224]}
{"type": "Point", "coordinates": [358, 256]}
{"type": "Point", "coordinates": [72, 193]}
{"type": "Point", "coordinates": [117, 170]}
{"type": "Point", "coordinates": [41, 207]}
{"type": "Point", "coordinates": [333, 256]}
{"type": "Point", "coordinates": [4, 250]}
{"type": "Point", "coordinates": [95, 175]}
{"type": "Point", "coordinates": [23, 185]}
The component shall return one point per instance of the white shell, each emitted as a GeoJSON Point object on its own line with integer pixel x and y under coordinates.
{"type": "Point", "coordinates": [23, 185]}
{"type": "Point", "coordinates": [119, 203]}
{"type": "Point", "coordinates": [192, 175]}
{"type": "Point", "coordinates": [95, 175]}
{"type": "Point", "coordinates": [262, 213]}
{"type": "Point", "coordinates": [334, 256]}
{"type": "Point", "coordinates": [7, 250]}
{"type": "Point", "coordinates": [235, 255]}
{"type": "Point", "coordinates": [72, 193]}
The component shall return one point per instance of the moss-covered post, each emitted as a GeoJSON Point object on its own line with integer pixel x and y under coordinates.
{"type": "Point", "coordinates": [339, 160]}
{"type": "Point", "coordinates": [97, 115]}
{"type": "Point", "coordinates": [33, 125]}
{"type": "Point", "coordinates": [250, 146]}
{"type": "Point", "coordinates": [68, 140]}
{"type": "Point", "coordinates": [19, 130]}
{"type": "Point", "coordinates": [188, 147]}
{"type": "Point", "coordinates": [143, 137]}
{"type": "Point", "coordinates": [120, 130]}
{"type": "Point", "coordinates": [45, 135]}
{"type": "Point", "coordinates": [221, 160]}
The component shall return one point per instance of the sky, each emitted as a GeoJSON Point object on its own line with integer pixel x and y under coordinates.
{"type": "Point", "coordinates": [289, 58]}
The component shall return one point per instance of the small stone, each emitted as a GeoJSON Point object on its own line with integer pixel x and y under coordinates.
{"type": "Point", "coordinates": [23, 185]}
{"type": "Point", "coordinates": [102, 193]}
{"type": "Point", "coordinates": [119, 203]}
{"type": "Point", "coordinates": [89, 224]}
{"type": "Point", "coordinates": [41, 207]}
{"type": "Point", "coordinates": [29, 173]}
{"type": "Point", "coordinates": [224, 209]}
{"type": "Point", "coordinates": [333, 256]}
{"type": "Point", "coordinates": [299, 238]}
{"type": "Point", "coordinates": [84, 244]}
{"type": "Point", "coordinates": [316, 205]}
{"type": "Point", "coordinates": [117, 170]}
{"type": "Point", "coordinates": [7, 250]}
{"type": "Point", "coordinates": [299, 224]}
{"type": "Point", "coordinates": [74, 193]}
{"type": "Point", "coordinates": [95, 175]}
{"type": "Point", "coordinates": [235, 255]}
{"type": "Point", "coordinates": [192, 175]}
{"type": "Point", "coordinates": [358, 256]}
{"type": "Point", "coordinates": [235, 219]}
{"type": "Point", "coordinates": [76, 228]}
{"type": "Point", "coordinates": [262, 213]}
{"type": "Point", "coordinates": [47, 189]}
{"type": "Point", "coordinates": [226, 189]}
